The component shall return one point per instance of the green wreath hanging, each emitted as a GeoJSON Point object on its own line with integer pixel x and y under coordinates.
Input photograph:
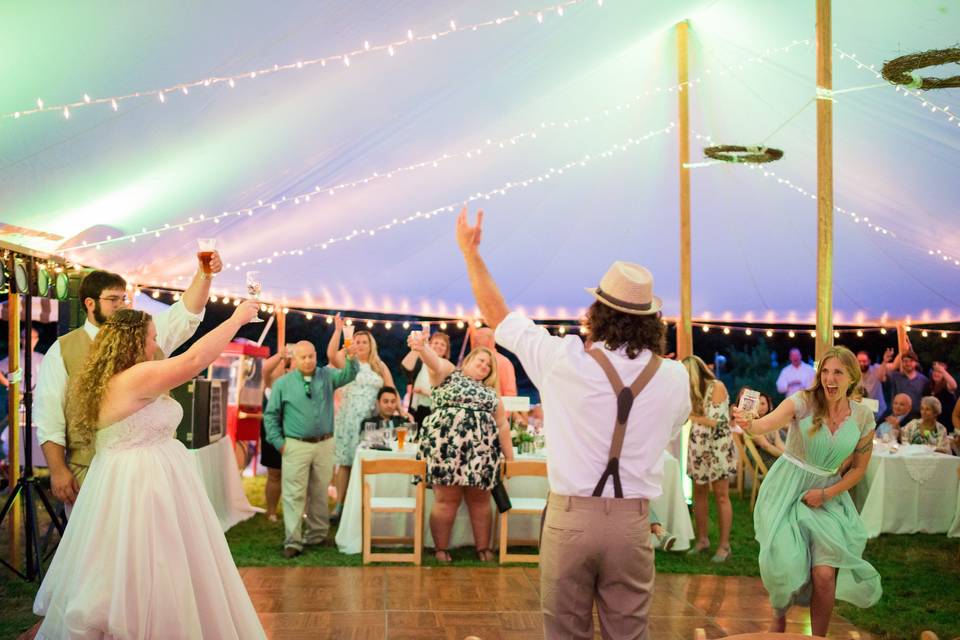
{"type": "Point", "coordinates": [743, 154]}
{"type": "Point", "coordinates": [903, 70]}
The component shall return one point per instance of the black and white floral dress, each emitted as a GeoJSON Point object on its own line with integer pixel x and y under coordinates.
{"type": "Point", "coordinates": [460, 440]}
{"type": "Point", "coordinates": [711, 453]}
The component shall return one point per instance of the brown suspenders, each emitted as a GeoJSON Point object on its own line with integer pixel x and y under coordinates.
{"type": "Point", "coordinates": [625, 397]}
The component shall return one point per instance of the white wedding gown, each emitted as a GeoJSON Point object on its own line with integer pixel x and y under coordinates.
{"type": "Point", "coordinates": [144, 555]}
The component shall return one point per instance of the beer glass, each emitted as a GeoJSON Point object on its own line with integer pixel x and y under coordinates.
{"type": "Point", "coordinates": [205, 249]}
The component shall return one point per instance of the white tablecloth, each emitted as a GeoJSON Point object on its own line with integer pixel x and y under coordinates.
{"type": "Point", "coordinates": [671, 507]}
{"type": "Point", "coordinates": [908, 492]}
{"type": "Point", "coordinates": [218, 470]}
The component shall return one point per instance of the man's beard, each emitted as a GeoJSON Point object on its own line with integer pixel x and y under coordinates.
{"type": "Point", "coordinates": [98, 314]}
{"type": "Point", "coordinates": [864, 368]}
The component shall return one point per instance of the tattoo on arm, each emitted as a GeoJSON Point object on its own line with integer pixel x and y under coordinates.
{"type": "Point", "coordinates": [863, 449]}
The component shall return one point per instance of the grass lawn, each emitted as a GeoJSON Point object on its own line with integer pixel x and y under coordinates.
{"type": "Point", "coordinates": [920, 573]}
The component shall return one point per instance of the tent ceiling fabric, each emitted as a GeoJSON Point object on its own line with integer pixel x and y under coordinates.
{"type": "Point", "coordinates": [217, 149]}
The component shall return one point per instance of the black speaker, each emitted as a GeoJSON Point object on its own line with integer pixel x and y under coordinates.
{"type": "Point", "coordinates": [204, 405]}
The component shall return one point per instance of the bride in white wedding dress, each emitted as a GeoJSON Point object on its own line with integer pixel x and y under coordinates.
{"type": "Point", "coordinates": [143, 555]}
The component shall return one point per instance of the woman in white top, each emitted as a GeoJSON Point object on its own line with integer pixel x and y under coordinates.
{"type": "Point", "coordinates": [420, 388]}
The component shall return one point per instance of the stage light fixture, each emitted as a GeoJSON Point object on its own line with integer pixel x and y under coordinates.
{"type": "Point", "coordinates": [21, 277]}
{"type": "Point", "coordinates": [44, 281]}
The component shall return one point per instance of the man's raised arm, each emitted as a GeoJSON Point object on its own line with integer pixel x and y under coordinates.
{"type": "Point", "coordinates": [489, 299]}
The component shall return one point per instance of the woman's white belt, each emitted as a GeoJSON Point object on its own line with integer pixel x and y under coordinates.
{"type": "Point", "coordinates": [824, 473]}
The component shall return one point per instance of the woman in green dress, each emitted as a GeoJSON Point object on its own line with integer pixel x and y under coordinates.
{"type": "Point", "coordinates": [811, 536]}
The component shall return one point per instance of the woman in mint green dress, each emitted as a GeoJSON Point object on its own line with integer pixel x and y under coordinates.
{"type": "Point", "coordinates": [811, 536]}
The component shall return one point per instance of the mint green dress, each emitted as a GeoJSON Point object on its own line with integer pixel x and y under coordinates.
{"type": "Point", "coordinates": [794, 537]}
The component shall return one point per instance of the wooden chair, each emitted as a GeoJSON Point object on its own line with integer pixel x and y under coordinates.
{"type": "Point", "coordinates": [521, 506]}
{"type": "Point", "coordinates": [743, 464]}
{"type": "Point", "coordinates": [759, 469]}
{"type": "Point", "coordinates": [401, 504]}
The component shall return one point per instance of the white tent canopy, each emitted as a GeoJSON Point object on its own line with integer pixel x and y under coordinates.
{"type": "Point", "coordinates": [565, 127]}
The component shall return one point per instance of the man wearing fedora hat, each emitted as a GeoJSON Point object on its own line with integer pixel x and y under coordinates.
{"type": "Point", "coordinates": [609, 413]}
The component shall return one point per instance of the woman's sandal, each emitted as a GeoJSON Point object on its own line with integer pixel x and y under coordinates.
{"type": "Point", "coordinates": [722, 555]}
{"type": "Point", "coordinates": [442, 555]}
{"type": "Point", "coordinates": [486, 555]}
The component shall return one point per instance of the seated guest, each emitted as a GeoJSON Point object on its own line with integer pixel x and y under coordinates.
{"type": "Point", "coordinates": [463, 442]}
{"type": "Point", "coordinates": [900, 408]}
{"type": "Point", "coordinates": [388, 414]}
{"type": "Point", "coordinates": [926, 429]}
{"type": "Point", "coordinates": [944, 388]}
{"type": "Point", "coordinates": [419, 388]}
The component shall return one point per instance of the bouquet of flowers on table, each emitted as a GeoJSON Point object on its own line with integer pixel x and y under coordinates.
{"type": "Point", "coordinates": [526, 432]}
{"type": "Point", "coordinates": [520, 433]}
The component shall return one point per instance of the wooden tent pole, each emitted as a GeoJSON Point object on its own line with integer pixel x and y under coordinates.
{"type": "Point", "coordinates": [824, 182]}
{"type": "Point", "coordinates": [13, 341]}
{"type": "Point", "coordinates": [684, 326]}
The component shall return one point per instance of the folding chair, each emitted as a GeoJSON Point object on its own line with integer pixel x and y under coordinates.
{"type": "Point", "coordinates": [759, 469]}
{"type": "Point", "coordinates": [521, 506]}
{"type": "Point", "coordinates": [400, 504]}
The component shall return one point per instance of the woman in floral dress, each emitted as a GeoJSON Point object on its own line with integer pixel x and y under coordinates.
{"type": "Point", "coordinates": [810, 534]}
{"type": "Point", "coordinates": [359, 401]}
{"type": "Point", "coordinates": [711, 455]}
{"type": "Point", "coordinates": [463, 442]}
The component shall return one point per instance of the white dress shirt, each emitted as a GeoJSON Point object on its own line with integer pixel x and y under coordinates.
{"type": "Point", "coordinates": [580, 409]}
{"type": "Point", "coordinates": [174, 327]}
{"type": "Point", "coordinates": [793, 379]}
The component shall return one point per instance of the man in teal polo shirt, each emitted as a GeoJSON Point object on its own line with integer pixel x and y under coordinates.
{"type": "Point", "coordinates": [302, 402]}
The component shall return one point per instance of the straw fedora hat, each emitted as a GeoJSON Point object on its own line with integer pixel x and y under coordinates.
{"type": "Point", "coordinates": [627, 287]}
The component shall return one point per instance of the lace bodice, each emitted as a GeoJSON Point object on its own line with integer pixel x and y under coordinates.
{"type": "Point", "coordinates": [155, 424]}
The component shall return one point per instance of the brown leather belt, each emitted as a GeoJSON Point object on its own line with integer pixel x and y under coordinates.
{"type": "Point", "coordinates": [315, 440]}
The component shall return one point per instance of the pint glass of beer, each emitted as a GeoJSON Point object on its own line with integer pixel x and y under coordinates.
{"type": "Point", "coordinates": [401, 432]}
{"type": "Point", "coordinates": [205, 249]}
{"type": "Point", "coordinates": [347, 335]}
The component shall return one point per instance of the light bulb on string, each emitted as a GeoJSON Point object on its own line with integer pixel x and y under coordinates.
{"type": "Point", "coordinates": [769, 333]}
{"type": "Point", "coordinates": [792, 334]}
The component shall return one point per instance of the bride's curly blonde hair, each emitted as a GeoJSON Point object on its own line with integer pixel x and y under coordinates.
{"type": "Point", "coordinates": [118, 346]}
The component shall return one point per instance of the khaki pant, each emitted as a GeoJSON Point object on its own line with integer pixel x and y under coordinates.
{"type": "Point", "coordinates": [596, 549]}
{"type": "Point", "coordinates": [306, 471]}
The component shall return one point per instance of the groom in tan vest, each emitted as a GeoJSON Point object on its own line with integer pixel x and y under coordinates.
{"type": "Point", "coordinates": [101, 293]}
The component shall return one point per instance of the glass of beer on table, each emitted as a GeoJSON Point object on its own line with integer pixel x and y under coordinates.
{"type": "Point", "coordinates": [401, 432]}
{"type": "Point", "coordinates": [205, 249]}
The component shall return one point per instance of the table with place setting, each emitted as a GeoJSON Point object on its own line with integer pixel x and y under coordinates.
{"type": "Point", "coordinates": [909, 489]}
{"type": "Point", "coordinates": [671, 506]}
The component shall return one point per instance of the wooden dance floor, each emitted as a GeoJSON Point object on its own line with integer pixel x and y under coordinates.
{"type": "Point", "coordinates": [490, 603]}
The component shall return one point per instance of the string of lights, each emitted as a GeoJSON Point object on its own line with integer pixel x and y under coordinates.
{"type": "Point", "coordinates": [344, 58]}
{"type": "Point", "coordinates": [853, 215]}
{"type": "Point", "coordinates": [502, 190]}
{"type": "Point", "coordinates": [270, 206]}
{"type": "Point", "coordinates": [561, 327]}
